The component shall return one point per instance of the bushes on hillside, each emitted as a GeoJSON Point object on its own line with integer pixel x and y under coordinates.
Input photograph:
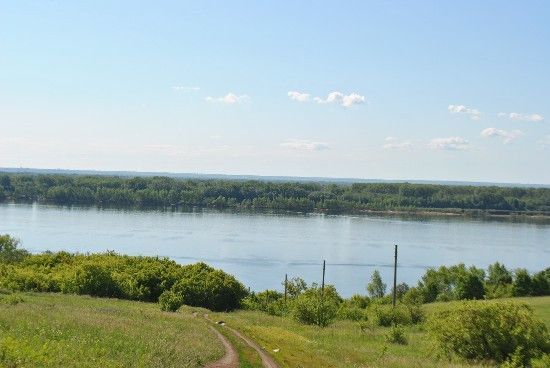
{"type": "Point", "coordinates": [316, 306]}
{"type": "Point", "coordinates": [203, 286]}
{"type": "Point", "coordinates": [125, 277]}
{"type": "Point", "coordinates": [92, 279]}
{"type": "Point", "coordinates": [490, 331]}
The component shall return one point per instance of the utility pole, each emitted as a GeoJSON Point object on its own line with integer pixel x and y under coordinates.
{"type": "Point", "coordinates": [323, 283]}
{"type": "Point", "coordinates": [286, 283]}
{"type": "Point", "coordinates": [395, 276]}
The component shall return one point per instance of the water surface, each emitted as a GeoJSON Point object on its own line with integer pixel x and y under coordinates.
{"type": "Point", "coordinates": [260, 248]}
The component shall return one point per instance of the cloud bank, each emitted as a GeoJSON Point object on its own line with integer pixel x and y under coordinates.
{"type": "Point", "coordinates": [337, 98]}
{"type": "Point", "coordinates": [507, 136]}
{"type": "Point", "coordinates": [230, 99]}
{"type": "Point", "coordinates": [298, 96]}
{"type": "Point", "coordinates": [522, 117]}
{"type": "Point", "coordinates": [449, 143]}
{"type": "Point", "coordinates": [474, 114]}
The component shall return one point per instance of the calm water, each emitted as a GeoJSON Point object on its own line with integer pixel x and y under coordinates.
{"type": "Point", "coordinates": [259, 249]}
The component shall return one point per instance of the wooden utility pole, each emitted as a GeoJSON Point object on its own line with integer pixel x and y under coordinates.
{"type": "Point", "coordinates": [323, 282]}
{"type": "Point", "coordinates": [286, 283]}
{"type": "Point", "coordinates": [395, 276]}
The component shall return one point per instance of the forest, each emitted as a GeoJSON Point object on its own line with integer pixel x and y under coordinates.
{"type": "Point", "coordinates": [164, 192]}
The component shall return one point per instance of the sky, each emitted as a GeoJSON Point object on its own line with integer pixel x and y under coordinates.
{"type": "Point", "coordinates": [435, 90]}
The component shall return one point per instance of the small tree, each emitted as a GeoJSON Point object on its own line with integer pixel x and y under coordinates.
{"type": "Point", "coordinates": [295, 286]}
{"type": "Point", "coordinates": [523, 285]}
{"type": "Point", "coordinates": [376, 288]}
{"type": "Point", "coordinates": [470, 287]}
{"type": "Point", "coordinates": [9, 251]}
{"type": "Point", "coordinates": [400, 290]}
{"type": "Point", "coordinates": [499, 275]}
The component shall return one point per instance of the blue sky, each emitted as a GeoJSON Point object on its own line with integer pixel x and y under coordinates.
{"type": "Point", "coordinates": [372, 89]}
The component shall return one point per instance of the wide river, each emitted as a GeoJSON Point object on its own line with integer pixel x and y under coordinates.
{"type": "Point", "coordinates": [260, 248]}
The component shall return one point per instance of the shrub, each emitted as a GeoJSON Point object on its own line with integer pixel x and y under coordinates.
{"type": "Point", "coordinates": [12, 299]}
{"type": "Point", "coordinates": [396, 335]}
{"type": "Point", "coordinates": [489, 331]}
{"type": "Point", "coordinates": [315, 307]}
{"type": "Point", "coordinates": [92, 279]}
{"type": "Point", "coordinates": [360, 301]}
{"type": "Point", "coordinates": [170, 301]}
{"type": "Point", "coordinates": [351, 312]}
{"type": "Point", "coordinates": [542, 362]}
{"type": "Point", "coordinates": [413, 296]}
{"type": "Point", "coordinates": [270, 301]}
{"type": "Point", "coordinates": [416, 313]}
{"type": "Point", "coordinates": [203, 286]}
{"type": "Point", "coordinates": [386, 315]}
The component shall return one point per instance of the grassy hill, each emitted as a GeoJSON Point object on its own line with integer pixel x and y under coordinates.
{"type": "Point", "coordinates": [344, 344]}
{"type": "Point", "coordinates": [56, 330]}
{"type": "Point", "coordinates": [53, 330]}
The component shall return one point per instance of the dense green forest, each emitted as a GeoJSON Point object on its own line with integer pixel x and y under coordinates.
{"type": "Point", "coordinates": [163, 192]}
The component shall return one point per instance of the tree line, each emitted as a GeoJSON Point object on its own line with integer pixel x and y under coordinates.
{"type": "Point", "coordinates": [164, 192]}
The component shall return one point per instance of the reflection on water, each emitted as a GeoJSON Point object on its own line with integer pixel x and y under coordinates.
{"type": "Point", "coordinates": [260, 248]}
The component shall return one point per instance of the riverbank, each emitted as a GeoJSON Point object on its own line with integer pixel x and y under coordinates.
{"type": "Point", "coordinates": [352, 198]}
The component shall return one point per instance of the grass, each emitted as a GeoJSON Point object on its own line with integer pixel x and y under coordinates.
{"type": "Point", "coordinates": [343, 344]}
{"type": "Point", "coordinates": [54, 330]}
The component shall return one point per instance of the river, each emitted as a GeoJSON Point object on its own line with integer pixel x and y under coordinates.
{"type": "Point", "coordinates": [260, 248]}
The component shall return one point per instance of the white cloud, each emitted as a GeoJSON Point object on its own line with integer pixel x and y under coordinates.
{"type": "Point", "coordinates": [474, 114]}
{"type": "Point", "coordinates": [341, 99]}
{"type": "Point", "coordinates": [298, 96]}
{"type": "Point", "coordinates": [230, 99]}
{"type": "Point", "coordinates": [305, 145]}
{"type": "Point", "coordinates": [394, 143]}
{"type": "Point", "coordinates": [185, 88]}
{"type": "Point", "coordinates": [450, 143]}
{"type": "Point", "coordinates": [508, 136]}
{"type": "Point", "coordinates": [521, 117]}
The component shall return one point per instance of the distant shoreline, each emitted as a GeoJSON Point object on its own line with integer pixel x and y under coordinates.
{"type": "Point", "coordinates": [420, 213]}
{"type": "Point", "coordinates": [383, 199]}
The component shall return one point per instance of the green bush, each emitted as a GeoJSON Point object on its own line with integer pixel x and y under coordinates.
{"type": "Point", "coordinates": [170, 301]}
{"type": "Point", "coordinates": [316, 307]}
{"type": "Point", "coordinates": [351, 312]}
{"type": "Point", "coordinates": [113, 275]}
{"type": "Point", "coordinates": [92, 279]}
{"type": "Point", "coordinates": [482, 331]}
{"type": "Point", "coordinates": [270, 301]}
{"type": "Point", "coordinates": [204, 286]}
{"type": "Point", "coordinates": [386, 315]}
{"type": "Point", "coordinates": [360, 301]}
{"type": "Point", "coordinates": [11, 299]}
{"type": "Point", "coordinates": [542, 362]}
{"type": "Point", "coordinates": [396, 335]}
